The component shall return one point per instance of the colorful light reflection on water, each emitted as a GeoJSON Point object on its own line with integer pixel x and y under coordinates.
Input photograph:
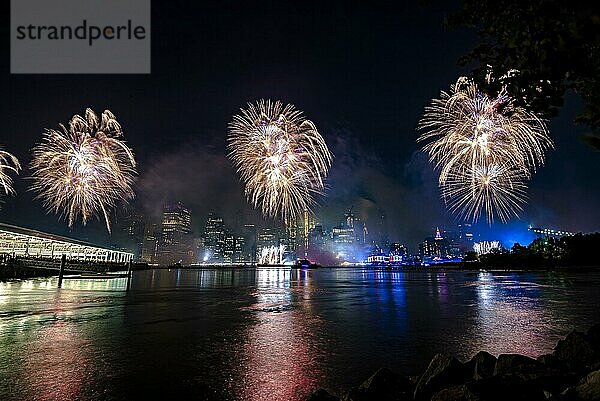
{"type": "Point", "coordinates": [269, 334]}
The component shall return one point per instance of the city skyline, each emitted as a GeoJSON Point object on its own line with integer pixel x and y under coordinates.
{"type": "Point", "coordinates": [230, 240]}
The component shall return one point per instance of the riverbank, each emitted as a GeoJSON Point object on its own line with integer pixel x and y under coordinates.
{"type": "Point", "coordinates": [570, 373]}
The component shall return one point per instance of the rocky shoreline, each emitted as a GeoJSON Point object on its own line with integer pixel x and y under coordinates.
{"type": "Point", "coordinates": [570, 373]}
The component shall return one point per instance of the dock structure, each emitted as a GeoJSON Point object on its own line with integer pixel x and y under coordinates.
{"type": "Point", "coordinates": [19, 242]}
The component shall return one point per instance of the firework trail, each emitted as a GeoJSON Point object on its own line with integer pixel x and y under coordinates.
{"type": "Point", "coordinates": [280, 156]}
{"type": "Point", "coordinates": [84, 169]}
{"type": "Point", "coordinates": [485, 149]}
{"type": "Point", "coordinates": [8, 164]}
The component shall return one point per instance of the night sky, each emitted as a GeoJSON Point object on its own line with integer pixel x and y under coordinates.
{"type": "Point", "coordinates": [362, 75]}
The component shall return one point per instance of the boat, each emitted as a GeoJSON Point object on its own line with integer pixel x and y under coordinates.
{"type": "Point", "coordinates": [306, 264]}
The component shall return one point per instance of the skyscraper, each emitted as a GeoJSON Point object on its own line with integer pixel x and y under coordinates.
{"type": "Point", "coordinates": [150, 244]}
{"type": "Point", "coordinates": [249, 246]}
{"type": "Point", "coordinates": [214, 239]}
{"type": "Point", "coordinates": [382, 231]}
{"type": "Point", "coordinates": [175, 245]}
{"type": "Point", "coordinates": [133, 230]}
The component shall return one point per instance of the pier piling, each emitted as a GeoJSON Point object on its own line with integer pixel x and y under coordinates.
{"type": "Point", "coordinates": [63, 262]}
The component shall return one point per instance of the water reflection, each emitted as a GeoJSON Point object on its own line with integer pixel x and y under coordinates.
{"type": "Point", "coordinates": [276, 334]}
{"type": "Point", "coordinates": [280, 358]}
{"type": "Point", "coordinates": [513, 315]}
{"type": "Point", "coordinates": [54, 366]}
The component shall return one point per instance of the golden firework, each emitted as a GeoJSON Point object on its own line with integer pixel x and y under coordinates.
{"type": "Point", "coordinates": [280, 156]}
{"type": "Point", "coordinates": [84, 169]}
{"type": "Point", "coordinates": [485, 149]}
{"type": "Point", "coordinates": [8, 164]}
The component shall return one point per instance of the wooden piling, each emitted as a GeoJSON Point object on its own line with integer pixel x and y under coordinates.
{"type": "Point", "coordinates": [63, 262]}
{"type": "Point", "coordinates": [128, 275]}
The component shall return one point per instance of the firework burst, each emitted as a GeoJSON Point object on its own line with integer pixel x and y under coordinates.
{"type": "Point", "coordinates": [8, 164]}
{"type": "Point", "coordinates": [494, 188]}
{"type": "Point", "coordinates": [84, 169]}
{"type": "Point", "coordinates": [280, 156]}
{"type": "Point", "coordinates": [485, 149]}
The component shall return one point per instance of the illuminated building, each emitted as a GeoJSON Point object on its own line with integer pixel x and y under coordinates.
{"type": "Point", "coordinates": [294, 234]}
{"type": "Point", "coordinates": [134, 233]}
{"type": "Point", "coordinates": [433, 247]}
{"type": "Point", "coordinates": [238, 250]}
{"type": "Point", "coordinates": [343, 235]}
{"type": "Point", "coordinates": [249, 245]}
{"type": "Point", "coordinates": [267, 237]}
{"type": "Point", "coordinates": [214, 239]}
{"type": "Point", "coordinates": [150, 244]}
{"type": "Point", "coordinates": [233, 252]}
{"type": "Point", "coordinates": [229, 248]}
{"type": "Point", "coordinates": [317, 237]}
{"type": "Point", "coordinates": [398, 249]}
{"type": "Point", "coordinates": [175, 245]}
{"type": "Point", "coordinates": [382, 231]}
{"type": "Point", "coordinates": [23, 242]}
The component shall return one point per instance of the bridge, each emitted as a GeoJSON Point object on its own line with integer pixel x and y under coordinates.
{"type": "Point", "coordinates": [547, 232]}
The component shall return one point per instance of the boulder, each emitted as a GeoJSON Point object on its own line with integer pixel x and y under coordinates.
{"type": "Point", "coordinates": [358, 394]}
{"type": "Point", "coordinates": [502, 388]}
{"type": "Point", "coordinates": [514, 363]}
{"type": "Point", "coordinates": [575, 348]}
{"type": "Point", "coordinates": [383, 385]}
{"type": "Point", "coordinates": [593, 337]}
{"type": "Point", "coordinates": [443, 372]}
{"type": "Point", "coordinates": [483, 364]}
{"type": "Point", "coordinates": [547, 360]}
{"type": "Point", "coordinates": [588, 388]}
{"type": "Point", "coordinates": [322, 395]}
{"type": "Point", "coordinates": [549, 380]}
{"type": "Point", "coordinates": [387, 385]}
{"type": "Point", "coordinates": [455, 393]}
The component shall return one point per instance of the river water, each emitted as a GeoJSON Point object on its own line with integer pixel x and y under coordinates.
{"type": "Point", "coordinates": [270, 334]}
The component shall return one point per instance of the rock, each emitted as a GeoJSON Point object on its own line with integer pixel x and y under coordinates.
{"type": "Point", "coordinates": [549, 380]}
{"type": "Point", "coordinates": [455, 393]}
{"type": "Point", "coordinates": [387, 385]}
{"type": "Point", "coordinates": [484, 364]}
{"type": "Point", "coordinates": [547, 359]}
{"type": "Point", "coordinates": [383, 385]}
{"type": "Point", "coordinates": [322, 395]}
{"type": "Point", "coordinates": [593, 337]}
{"type": "Point", "coordinates": [533, 376]}
{"type": "Point", "coordinates": [574, 348]}
{"type": "Point", "coordinates": [513, 363]}
{"type": "Point", "coordinates": [588, 388]}
{"type": "Point", "coordinates": [443, 371]}
{"type": "Point", "coordinates": [568, 394]}
{"type": "Point", "coordinates": [358, 394]}
{"type": "Point", "coordinates": [502, 388]}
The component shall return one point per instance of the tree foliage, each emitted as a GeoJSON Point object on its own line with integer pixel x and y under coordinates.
{"type": "Point", "coordinates": [569, 251]}
{"type": "Point", "coordinates": [540, 49]}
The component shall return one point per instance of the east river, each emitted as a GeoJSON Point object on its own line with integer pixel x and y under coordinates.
{"type": "Point", "coordinates": [270, 334]}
